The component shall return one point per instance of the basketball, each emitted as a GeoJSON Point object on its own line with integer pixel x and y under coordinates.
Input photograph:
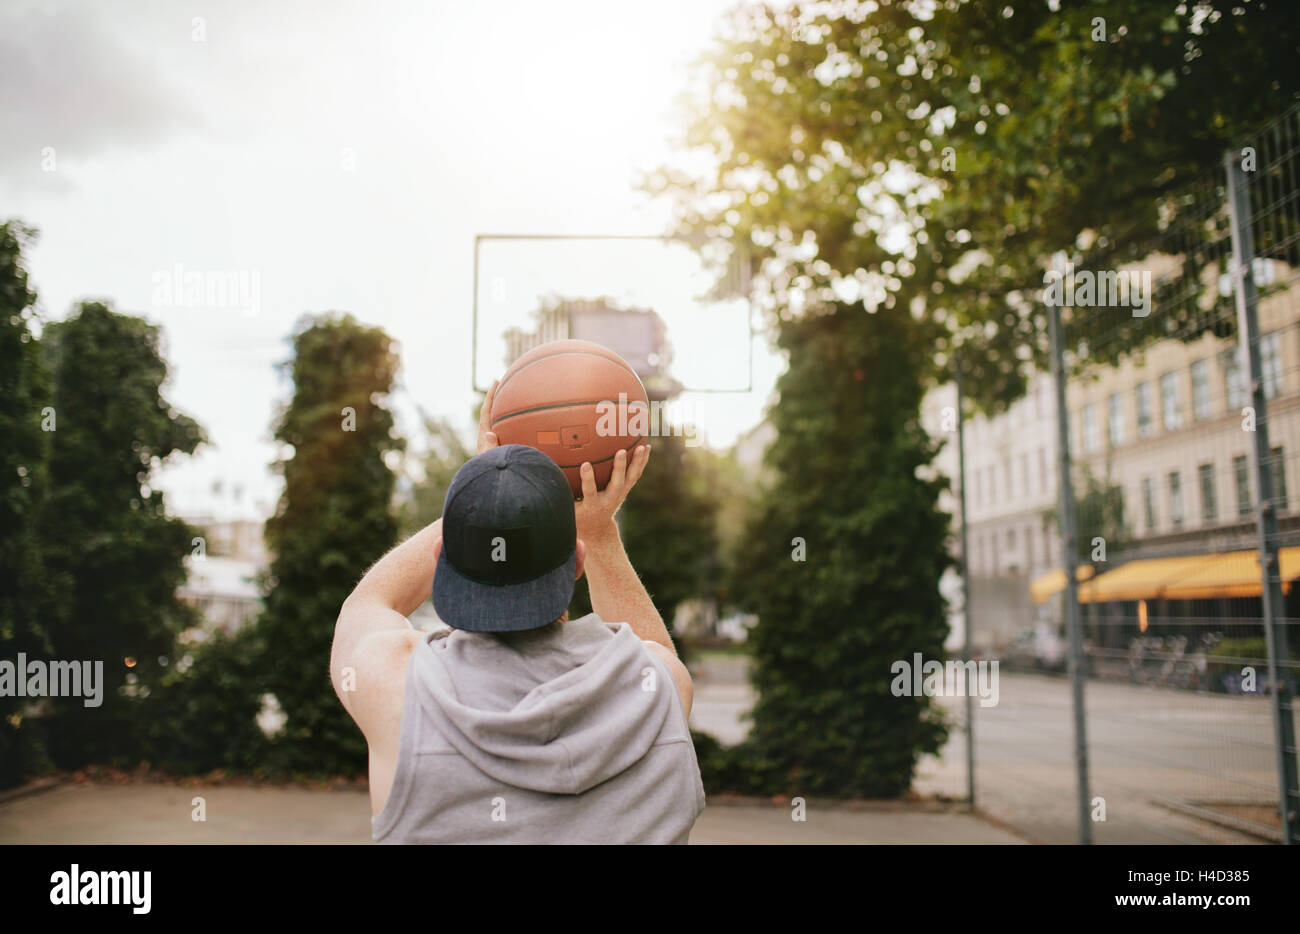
{"type": "Point", "coordinates": [574, 401]}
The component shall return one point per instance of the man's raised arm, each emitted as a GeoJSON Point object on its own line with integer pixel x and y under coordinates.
{"type": "Point", "coordinates": [617, 594]}
{"type": "Point", "coordinates": [388, 593]}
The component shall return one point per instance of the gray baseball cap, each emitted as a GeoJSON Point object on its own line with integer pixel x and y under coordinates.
{"type": "Point", "coordinates": [509, 543]}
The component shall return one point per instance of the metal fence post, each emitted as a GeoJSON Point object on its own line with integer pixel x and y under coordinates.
{"type": "Point", "coordinates": [965, 583]}
{"type": "Point", "coordinates": [1247, 302]}
{"type": "Point", "coordinates": [1069, 560]}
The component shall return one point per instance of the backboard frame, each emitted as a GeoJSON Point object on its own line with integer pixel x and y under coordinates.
{"type": "Point", "coordinates": [480, 239]}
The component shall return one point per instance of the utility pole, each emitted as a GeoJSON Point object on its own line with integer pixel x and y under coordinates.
{"type": "Point", "coordinates": [1261, 456]}
{"type": "Point", "coordinates": [965, 581]}
{"type": "Point", "coordinates": [1069, 560]}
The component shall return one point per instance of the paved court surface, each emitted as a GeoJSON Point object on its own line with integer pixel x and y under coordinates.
{"type": "Point", "coordinates": [152, 813]}
{"type": "Point", "coordinates": [1149, 747]}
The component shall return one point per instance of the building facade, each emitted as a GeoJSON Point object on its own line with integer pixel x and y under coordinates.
{"type": "Point", "coordinates": [1010, 503]}
{"type": "Point", "coordinates": [1168, 429]}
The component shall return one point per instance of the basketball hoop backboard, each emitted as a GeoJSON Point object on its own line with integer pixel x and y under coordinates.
{"type": "Point", "coordinates": [650, 298]}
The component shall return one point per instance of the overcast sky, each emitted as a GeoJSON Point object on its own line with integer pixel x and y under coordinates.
{"type": "Point", "coordinates": [334, 156]}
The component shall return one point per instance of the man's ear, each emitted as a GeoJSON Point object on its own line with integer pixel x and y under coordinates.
{"type": "Point", "coordinates": [581, 549]}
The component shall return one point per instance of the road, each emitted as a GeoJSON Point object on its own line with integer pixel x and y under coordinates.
{"type": "Point", "coordinates": [1152, 750]}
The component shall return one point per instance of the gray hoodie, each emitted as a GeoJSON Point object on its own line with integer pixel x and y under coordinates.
{"type": "Point", "coordinates": [572, 735]}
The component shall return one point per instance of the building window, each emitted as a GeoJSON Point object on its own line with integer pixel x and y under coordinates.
{"type": "Point", "coordinates": [1091, 441]}
{"type": "Point", "coordinates": [1029, 546]}
{"type": "Point", "coordinates": [1024, 474]}
{"type": "Point", "coordinates": [1241, 471]}
{"type": "Point", "coordinates": [1044, 478]}
{"type": "Point", "coordinates": [1115, 420]}
{"type": "Point", "coordinates": [1209, 505]}
{"type": "Point", "coordinates": [1279, 480]}
{"type": "Point", "coordinates": [1176, 498]}
{"type": "Point", "coordinates": [1270, 364]}
{"type": "Point", "coordinates": [1006, 478]}
{"type": "Point", "coordinates": [1233, 382]}
{"type": "Point", "coordinates": [1144, 409]}
{"type": "Point", "coordinates": [1261, 270]}
{"type": "Point", "coordinates": [1149, 503]}
{"type": "Point", "coordinates": [1169, 401]}
{"type": "Point", "coordinates": [1201, 389]}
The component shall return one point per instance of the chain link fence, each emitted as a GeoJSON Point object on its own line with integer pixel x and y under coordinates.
{"type": "Point", "coordinates": [1179, 393]}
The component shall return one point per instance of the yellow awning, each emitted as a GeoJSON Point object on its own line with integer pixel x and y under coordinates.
{"type": "Point", "coordinates": [1190, 577]}
{"type": "Point", "coordinates": [1235, 574]}
{"type": "Point", "coordinates": [1145, 579]}
{"type": "Point", "coordinates": [1047, 586]}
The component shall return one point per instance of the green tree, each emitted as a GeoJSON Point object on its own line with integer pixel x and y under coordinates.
{"type": "Point", "coordinates": [670, 526]}
{"type": "Point", "coordinates": [113, 553]}
{"type": "Point", "coordinates": [934, 156]}
{"type": "Point", "coordinates": [1099, 514]}
{"type": "Point", "coordinates": [334, 520]}
{"type": "Point", "coordinates": [841, 564]}
{"type": "Point", "coordinates": [737, 493]}
{"type": "Point", "coordinates": [446, 453]}
{"type": "Point", "coordinates": [24, 598]}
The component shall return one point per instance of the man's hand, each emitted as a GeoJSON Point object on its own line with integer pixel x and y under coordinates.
{"type": "Point", "coordinates": [487, 438]}
{"type": "Point", "coordinates": [595, 511]}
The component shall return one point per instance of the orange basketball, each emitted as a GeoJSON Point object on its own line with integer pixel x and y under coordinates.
{"type": "Point", "coordinates": [574, 401]}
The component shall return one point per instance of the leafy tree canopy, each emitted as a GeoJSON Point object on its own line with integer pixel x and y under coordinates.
{"type": "Point", "coordinates": [935, 155]}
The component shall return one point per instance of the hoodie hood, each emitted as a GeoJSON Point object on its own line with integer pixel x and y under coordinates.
{"type": "Point", "coordinates": [557, 712]}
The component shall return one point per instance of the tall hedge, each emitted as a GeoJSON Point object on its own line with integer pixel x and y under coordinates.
{"type": "Point", "coordinates": [848, 466]}
{"type": "Point", "coordinates": [23, 451]}
{"type": "Point", "coordinates": [334, 520]}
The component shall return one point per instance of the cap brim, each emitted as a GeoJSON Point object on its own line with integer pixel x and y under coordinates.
{"type": "Point", "coordinates": [467, 604]}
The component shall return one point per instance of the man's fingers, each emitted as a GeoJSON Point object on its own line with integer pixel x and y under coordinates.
{"type": "Point", "coordinates": [588, 476]}
{"type": "Point", "coordinates": [640, 457]}
{"type": "Point", "coordinates": [485, 414]}
{"type": "Point", "coordinates": [486, 438]}
{"type": "Point", "coordinates": [618, 475]}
